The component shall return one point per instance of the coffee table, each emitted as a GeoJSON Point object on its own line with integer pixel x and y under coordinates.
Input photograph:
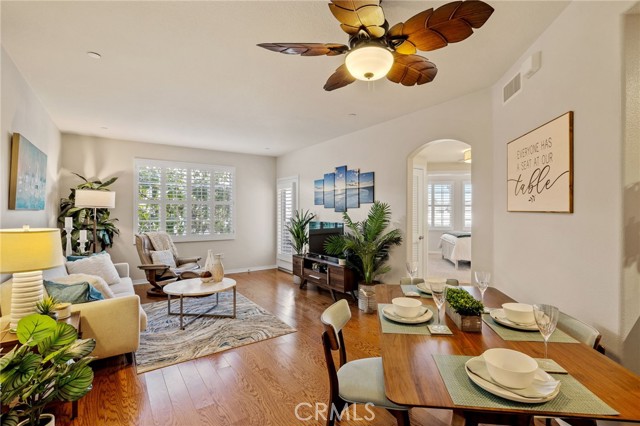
{"type": "Point", "coordinates": [194, 287]}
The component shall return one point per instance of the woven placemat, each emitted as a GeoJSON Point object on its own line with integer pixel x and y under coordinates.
{"type": "Point", "coordinates": [507, 333]}
{"type": "Point", "coordinates": [413, 288]}
{"type": "Point", "coordinates": [389, 326]}
{"type": "Point", "coordinates": [573, 396]}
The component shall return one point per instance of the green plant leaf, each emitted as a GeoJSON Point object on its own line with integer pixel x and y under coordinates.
{"type": "Point", "coordinates": [76, 383]}
{"type": "Point", "coordinates": [64, 334]}
{"type": "Point", "coordinates": [18, 372]}
{"type": "Point", "coordinates": [9, 419]}
{"type": "Point", "coordinates": [34, 328]}
{"type": "Point", "coordinates": [78, 349]}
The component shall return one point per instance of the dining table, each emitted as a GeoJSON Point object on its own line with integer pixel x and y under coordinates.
{"type": "Point", "coordinates": [414, 377]}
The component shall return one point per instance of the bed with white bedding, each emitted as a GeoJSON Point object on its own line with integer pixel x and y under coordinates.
{"type": "Point", "coordinates": [456, 246]}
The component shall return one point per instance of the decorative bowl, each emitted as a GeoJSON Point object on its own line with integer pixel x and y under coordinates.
{"type": "Point", "coordinates": [510, 368]}
{"type": "Point", "coordinates": [520, 313]}
{"type": "Point", "coordinates": [406, 307]}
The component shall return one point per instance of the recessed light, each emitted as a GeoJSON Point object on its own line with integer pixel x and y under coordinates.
{"type": "Point", "coordinates": [94, 55]}
{"type": "Point", "coordinates": [352, 114]}
{"type": "Point", "coordinates": [267, 149]}
{"type": "Point", "coordinates": [104, 128]}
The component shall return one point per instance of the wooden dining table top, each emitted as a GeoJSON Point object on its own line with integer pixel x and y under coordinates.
{"type": "Point", "coordinates": [412, 377]}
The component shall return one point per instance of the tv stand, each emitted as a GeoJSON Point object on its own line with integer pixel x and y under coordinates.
{"type": "Point", "coordinates": [324, 272]}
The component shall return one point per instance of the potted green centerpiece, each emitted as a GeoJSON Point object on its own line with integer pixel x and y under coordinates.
{"type": "Point", "coordinates": [50, 363]}
{"type": "Point", "coordinates": [298, 228]}
{"type": "Point", "coordinates": [367, 244]}
{"type": "Point", "coordinates": [464, 309]}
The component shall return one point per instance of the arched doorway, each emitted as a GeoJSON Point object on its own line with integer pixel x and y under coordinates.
{"type": "Point", "coordinates": [439, 209]}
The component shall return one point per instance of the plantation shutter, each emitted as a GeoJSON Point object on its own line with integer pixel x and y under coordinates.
{"type": "Point", "coordinates": [286, 204]}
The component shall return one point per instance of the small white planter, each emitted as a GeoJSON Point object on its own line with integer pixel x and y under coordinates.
{"type": "Point", "coordinates": [45, 420]}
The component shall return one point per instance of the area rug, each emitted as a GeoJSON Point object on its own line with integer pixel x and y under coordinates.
{"type": "Point", "coordinates": [163, 343]}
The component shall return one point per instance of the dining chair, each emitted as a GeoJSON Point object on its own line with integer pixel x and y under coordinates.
{"type": "Point", "coordinates": [590, 336]}
{"type": "Point", "coordinates": [356, 382]}
{"type": "Point", "coordinates": [408, 281]}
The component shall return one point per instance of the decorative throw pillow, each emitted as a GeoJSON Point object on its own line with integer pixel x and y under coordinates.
{"type": "Point", "coordinates": [164, 257]}
{"type": "Point", "coordinates": [75, 257]}
{"type": "Point", "coordinates": [72, 293]}
{"type": "Point", "coordinates": [100, 265]}
{"type": "Point", "coordinates": [96, 281]}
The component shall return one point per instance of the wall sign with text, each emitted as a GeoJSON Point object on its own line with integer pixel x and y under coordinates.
{"type": "Point", "coordinates": [540, 168]}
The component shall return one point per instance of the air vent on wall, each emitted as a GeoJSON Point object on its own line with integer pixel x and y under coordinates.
{"type": "Point", "coordinates": [512, 88]}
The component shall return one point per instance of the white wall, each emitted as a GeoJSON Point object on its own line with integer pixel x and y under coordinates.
{"type": "Point", "coordinates": [254, 245]}
{"type": "Point", "coordinates": [22, 112]}
{"type": "Point", "coordinates": [570, 260]}
{"type": "Point", "coordinates": [385, 148]}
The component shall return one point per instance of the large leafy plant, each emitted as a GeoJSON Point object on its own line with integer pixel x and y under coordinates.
{"type": "Point", "coordinates": [367, 241]}
{"type": "Point", "coordinates": [297, 227]}
{"type": "Point", "coordinates": [50, 363]}
{"type": "Point", "coordinates": [83, 216]}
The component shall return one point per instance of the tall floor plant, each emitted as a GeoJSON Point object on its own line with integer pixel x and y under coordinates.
{"type": "Point", "coordinates": [298, 228]}
{"type": "Point", "coordinates": [367, 241]}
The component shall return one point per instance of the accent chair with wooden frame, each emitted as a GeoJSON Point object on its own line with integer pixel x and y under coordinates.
{"type": "Point", "coordinates": [160, 274]}
{"type": "Point", "coordinates": [357, 382]}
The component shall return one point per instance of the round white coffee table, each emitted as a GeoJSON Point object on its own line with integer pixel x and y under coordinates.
{"type": "Point", "coordinates": [194, 287]}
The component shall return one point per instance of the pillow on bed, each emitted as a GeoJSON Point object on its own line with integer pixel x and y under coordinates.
{"type": "Point", "coordinates": [97, 282]}
{"type": "Point", "coordinates": [72, 293]}
{"type": "Point", "coordinates": [100, 265]}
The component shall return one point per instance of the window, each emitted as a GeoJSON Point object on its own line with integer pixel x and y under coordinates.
{"type": "Point", "coordinates": [189, 201]}
{"type": "Point", "coordinates": [440, 199]}
{"type": "Point", "coordinates": [286, 200]}
{"type": "Point", "coordinates": [467, 205]}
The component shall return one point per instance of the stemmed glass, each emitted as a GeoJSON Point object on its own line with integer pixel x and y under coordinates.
{"type": "Point", "coordinates": [412, 269]}
{"type": "Point", "coordinates": [546, 319]}
{"type": "Point", "coordinates": [438, 293]}
{"type": "Point", "coordinates": [482, 279]}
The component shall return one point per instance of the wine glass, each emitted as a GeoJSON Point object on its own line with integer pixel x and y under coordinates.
{"type": "Point", "coordinates": [546, 319]}
{"type": "Point", "coordinates": [438, 293]}
{"type": "Point", "coordinates": [482, 279]}
{"type": "Point", "coordinates": [412, 269]}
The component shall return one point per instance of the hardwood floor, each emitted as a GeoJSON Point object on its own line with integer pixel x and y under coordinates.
{"type": "Point", "coordinates": [258, 384]}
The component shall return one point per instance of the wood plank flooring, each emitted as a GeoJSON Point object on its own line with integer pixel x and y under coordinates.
{"type": "Point", "coordinates": [259, 384]}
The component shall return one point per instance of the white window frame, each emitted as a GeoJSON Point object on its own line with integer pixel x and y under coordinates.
{"type": "Point", "coordinates": [141, 162]}
{"type": "Point", "coordinates": [283, 184]}
{"type": "Point", "coordinates": [464, 206]}
{"type": "Point", "coordinates": [430, 205]}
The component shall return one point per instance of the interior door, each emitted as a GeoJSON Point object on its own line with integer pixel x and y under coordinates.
{"type": "Point", "coordinates": [417, 225]}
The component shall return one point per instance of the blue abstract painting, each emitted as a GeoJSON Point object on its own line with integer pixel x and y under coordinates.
{"type": "Point", "coordinates": [329, 190]}
{"type": "Point", "coordinates": [318, 192]}
{"type": "Point", "coordinates": [28, 180]}
{"type": "Point", "coordinates": [367, 187]}
{"type": "Point", "coordinates": [341, 189]}
{"type": "Point", "coordinates": [353, 198]}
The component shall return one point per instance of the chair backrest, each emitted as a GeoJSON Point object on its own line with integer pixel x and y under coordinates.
{"type": "Point", "coordinates": [453, 281]}
{"type": "Point", "coordinates": [580, 331]}
{"type": "Point", "coordinates": [334, 318]}
{"type": "Point", "coordinates": [144, 247]}
{"type": "Point", "coordinates": [408, 281]}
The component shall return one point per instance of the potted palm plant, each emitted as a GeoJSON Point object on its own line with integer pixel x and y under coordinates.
{"type": "Point", "coordinates": [367, 243]}
{"type": "Point", "coordinates": [298, 229]}
{"type": "Point", "coordinates": [50, 363]}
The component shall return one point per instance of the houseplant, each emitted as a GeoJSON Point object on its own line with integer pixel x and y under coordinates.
{"type": "Point", "coordinates": [47, 306]}
{"type": "Point", "coordinates": [297, 227]}
{"type": "Point", "coordinates": [82, 216]}
{"type": "Point", "coordinates": [366, 243]}
{"type": "Point", "coordinates": [464, 309]}
{"type": "Point", "coordinates": [50, 363]}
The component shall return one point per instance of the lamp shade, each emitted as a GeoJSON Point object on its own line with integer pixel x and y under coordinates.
{"type": "Point", "coordinates": [23, 250]}
{"type": "Point", "coordinates": [369, 63]}
{"type": "Point", "coordinates": [95, 198]}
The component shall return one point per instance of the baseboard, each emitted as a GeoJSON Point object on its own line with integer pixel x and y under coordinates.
{"type": "Point", "coordinates": [226, 271]}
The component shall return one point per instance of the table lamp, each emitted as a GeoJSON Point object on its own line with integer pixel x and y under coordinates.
{"type": "Point", "coordinates": [25, 253]}
{"type": "Point", "coordinates": [95, 199]}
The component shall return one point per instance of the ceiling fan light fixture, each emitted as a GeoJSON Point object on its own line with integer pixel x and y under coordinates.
{"type": "Point", "coordinates": [369, 63]}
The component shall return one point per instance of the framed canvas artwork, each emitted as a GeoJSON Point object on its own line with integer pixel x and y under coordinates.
{"type": "Point", "coordinates": [318, 192]}
{"type": "Point", "coordinates": [28, 176]}
{"type": "Point", "coordinates": [540, 168]}
{"type": "Point", "coordinates": [353, 196]}
{"type": "Point", "coordinates": [341, 189]}
{"type": "Point", "coordinates": [329, 184]}
{"type": "Point", "coordinates": [367, 187]}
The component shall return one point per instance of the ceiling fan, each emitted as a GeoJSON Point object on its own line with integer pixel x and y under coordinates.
{"type": "Point", "coordinates": [375, 50]}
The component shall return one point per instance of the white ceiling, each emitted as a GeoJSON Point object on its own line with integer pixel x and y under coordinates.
{"type": "Point", "coordinates": [444, 151]}
{"type": "Point", "coordinates": [189, 73]}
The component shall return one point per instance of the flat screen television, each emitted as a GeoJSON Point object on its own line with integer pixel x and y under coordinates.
{"type": "Point", "coordinates": [318, 234]}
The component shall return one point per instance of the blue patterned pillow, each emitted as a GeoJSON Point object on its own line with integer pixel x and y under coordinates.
{"type": "Point", "coordinates": [73, 293]}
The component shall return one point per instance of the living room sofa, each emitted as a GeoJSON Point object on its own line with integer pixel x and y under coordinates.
{"type": "Point", "coordinates": [114, 323]}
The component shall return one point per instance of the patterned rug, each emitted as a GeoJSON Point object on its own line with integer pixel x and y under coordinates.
{"type": "Point", "coordinates": [163, 343]}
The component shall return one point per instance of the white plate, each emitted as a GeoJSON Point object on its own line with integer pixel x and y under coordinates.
{"type": "Point", "coordinates": [499, 317]}
{"type": "Point", "coordinates": [423, 287]}
{"type": "Point", "coordinates": [504, 393]}
{"type": "Point", "coordinates": [389, 313]}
